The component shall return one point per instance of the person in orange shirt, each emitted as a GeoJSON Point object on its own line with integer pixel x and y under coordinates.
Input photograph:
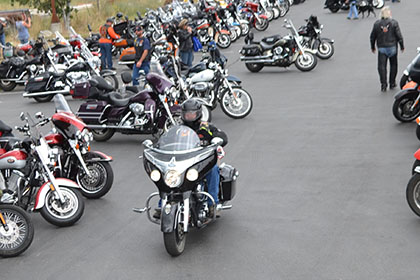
{"type": "Point", "coordinates": [105, 43]}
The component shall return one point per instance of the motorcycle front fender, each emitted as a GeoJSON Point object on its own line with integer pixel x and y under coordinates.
{"type": "Point", "coordinates": [168, 220]}
{"type": "Point", "coordinates": [96, 156]}
{"type": "Point", "coordinates": [42, 192]}
{"type": "Point", "coordinates": [233, 79]}
{"type": "Point", "coordinates": [405, 92]}
{"type": "Point", "coordinates": [417, 156]}
{"type": "Point", "coordinates": [107, 73]}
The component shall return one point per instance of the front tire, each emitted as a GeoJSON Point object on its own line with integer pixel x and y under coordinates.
{"type": "Point", "coordinates": [7, 86]}
{"type": "Point", "coordinates": [262, 24]}
{"type": "Point", "coordinates": [413, 193]}
{"type": "Point", "coordinates": [224, 41]}
{"type": "Point", "coordinates": [239, 107]}
{"type": "Point", "coordinates": [254, 67]}
{"type": "Point", "coordinates": [63, 215]}
{"type": "Point", "coordinates": [175, 241]}
{"type": "Point", "coordinates": [102, 135]}
{"type": "Point", "coordinates": [100, 181]}
{"type": "Point", "coordinates": [20, 233]}
{"type": "Point", "coordinates": [325, 50]}
{"type": "Point", "coordinates": [402, 108]}
{"type": "Point", "coordinates": [306, 62]}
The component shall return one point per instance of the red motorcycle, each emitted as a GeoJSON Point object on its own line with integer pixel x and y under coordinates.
{"type": "Point", "coordinates": [413, 187]}
{"type": "Point", "coordinates": [256, 19]}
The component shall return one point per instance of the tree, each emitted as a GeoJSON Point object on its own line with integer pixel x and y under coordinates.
{"type": "Point", "coordinates": [62, 7]}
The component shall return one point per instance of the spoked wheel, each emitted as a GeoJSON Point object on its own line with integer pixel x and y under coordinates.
{"type": "Point", "coordinates": [306, 62]}
{"type": "Point", "coordinates": [65, 214]}
{"type": "Point", "coordinates": [223, 41]}
{"type": "Point", "coordinates": [175, 241]}
{"type": "Point", "coordinates": [99, 182]}
{"type": "Point", "coordinates": [233, 35]}
{"type": "Point", "coordinates": [102, 134]}
{"type": "Point", "coordinates": [254, 67]}
{"type": "Point", "coordinates": [262, 24]}
{"type": "Point", "coordinates": [18, 233]}
{"type": "Point", "coordinates": [236, 104]}
{"type": "Point", "coordinates": [378, 4]}
{"type": "Point", "coordinates": [402, 108]}
{"type": "Point", "coordinates": [413, 193]}
{"type": "Point", "coordinates": [325, 50]}
{"type": "Point", "coordinates": [112, 81]}
{"type": "Point", "coordinates": [238, 31]}
{"type": "Point", "coordinates": [245, 28]}
{"type": "Point", "coordinates": [7, 86]}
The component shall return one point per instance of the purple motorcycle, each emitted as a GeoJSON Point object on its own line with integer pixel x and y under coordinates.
{"type": "Point", "coordinates": [150, 111]}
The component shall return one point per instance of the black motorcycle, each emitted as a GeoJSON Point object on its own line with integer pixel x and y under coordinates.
{"type": "Point", "coordinates": [335, 5]}
{"type": "Point", "coordinates": [177, 164]}
{"type": "Point", "coordinates": [279, 51]}
{"type": "Point", "coordinates": [311, 33]}
{"type": "Point", "coordinates": [149, 111]}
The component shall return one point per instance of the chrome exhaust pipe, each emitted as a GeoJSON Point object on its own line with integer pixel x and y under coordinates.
{"type": "Point", "coordinates": [45, 93]}
{"type": "Point", "coordinates": [255, 57]}
{"type": "Point", "coordinates": [125, 62]}
{"type": "Point", "coordinates": [98, 126]}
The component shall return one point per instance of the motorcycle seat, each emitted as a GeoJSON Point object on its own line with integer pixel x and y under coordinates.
{"type": "Point", "coordinates": [59, 74]}
{"type": "Point", "coordinates": [8, 142]}
{"type": "Point", "coordinates": [269, 45]}
{"type": "Point", "coordinates": [5, 129]}
{"type": "Point", "coordinates": [117, 100]}
{"type": "Point", "coordinates": [101, 84]}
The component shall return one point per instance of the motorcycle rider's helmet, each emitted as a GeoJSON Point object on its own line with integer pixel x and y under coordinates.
{"type": "Point", "coordinates": [191, 113]}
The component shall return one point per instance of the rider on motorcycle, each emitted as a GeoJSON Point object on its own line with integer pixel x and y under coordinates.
{"type": "Point", "coordinates": [191, 116]}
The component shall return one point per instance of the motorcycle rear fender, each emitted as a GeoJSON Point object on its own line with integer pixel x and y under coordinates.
{"type": "Point", "coordinates": [42, 192]}
{"type": "Point", "coordinates": [168, 220]}
{"type": "Point", "coordinates": [417, 155]}
{"type": "Point", "coordinates": [404, 92]}
{"type": "Point", "coordinates": [96, 156]}
{"type": "Point", "coordinates": [233, 79]}
{"type": "Point", "coordinates": [108, 72]}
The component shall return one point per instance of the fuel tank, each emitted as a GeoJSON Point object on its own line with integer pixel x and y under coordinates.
{"type": "Point", "coordinates": [15, 159]}
{"type": "Point", "coordinates": [203, 76]}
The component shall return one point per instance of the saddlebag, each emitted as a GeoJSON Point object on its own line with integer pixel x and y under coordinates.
{"type": "Point", "coordinates": [4, 67]}
{"type": "Point", "coordinates": [93, 112]}
{"type": "Point", "coordinates": [38, 83]}
{"type": "Point", "coordinates": [228, 176]}
{"type": "Point", "coordinates": [251, 50]}
{"type": "Point", "coordinates": [81, 90]}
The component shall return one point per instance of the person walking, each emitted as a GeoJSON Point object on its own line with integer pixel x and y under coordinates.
{"type": "Point", "coordinates": [105, 43]}
{"type": "Point", "coordinates": [185, 43]}
{"type": "Point", "coordinates": [22, 26]}
{"type": "Point", "coordinates": [353, 9]}
{"type": "Point", "coordinates": [386, 34]}
{"type": "Point", "coordinates": [142, 56]}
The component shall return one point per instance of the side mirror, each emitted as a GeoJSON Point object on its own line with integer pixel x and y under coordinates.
{"type": "Point", "coordinates": [39, 115]}
{"type": "Point", "coordinates": [147, 143]}
{"type": "Point", "coordinates": [22, 116]}
{"type": "Point", "coordinates": [90, 28]}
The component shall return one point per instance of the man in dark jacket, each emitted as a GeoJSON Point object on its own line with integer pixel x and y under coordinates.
{"type": "Point", "coordinates": [386, 33]}
{"type": "Point", "coordinates": [185, 43]}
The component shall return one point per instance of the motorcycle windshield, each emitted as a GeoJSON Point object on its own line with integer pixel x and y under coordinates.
{"type": "Point", "coordinates": [61, 105]}
{"type": "Point", "coordinates": [179, 138]}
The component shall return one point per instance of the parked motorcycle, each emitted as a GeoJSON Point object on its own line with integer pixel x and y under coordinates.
{"type": "Point", "coordinates": [335, 5]}
{"type": "Point", "coordinates": [413, 186]}
{"type": "Point", "coordinates": [278, 51]}
{"type": "Point", "coordinates": [146, 112]}
{"type": "Point", "coordinates": [177, 164]}
{"type": "Point", "coordinates": [16, 230]}
{"type": "Point", "coordinates": [27, 179]}
{"type": "Point", "coordinates": [406, 106]}
{"type": "Point", "coordinates": [255, 19]}
{"type": "Point", "coordinates": [311, 33]}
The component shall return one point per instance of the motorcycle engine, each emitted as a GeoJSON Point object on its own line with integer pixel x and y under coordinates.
{"type": "Point", "coordinates": [137, 108]}
{"type": "Point", "coordinates": [16, 181]}
{"type": "Point", "coordinates": [201, 88]}
{"type": "Point", "coordinates": [78, 77]}
{"type": "Point", "coordinates": [140, 118]}
{"type": "Point", "coordinates": [278, 51]}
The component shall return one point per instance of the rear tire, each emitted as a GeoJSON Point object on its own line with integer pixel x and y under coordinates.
{"type": "Point", "coordinates": [223, 41]}
{"type": "Point", "coordinates": [7, 86]}
{"type": "Point", "coordinates": [254, 67]}
{"type": "Point", "coordinates": [20, 234]}
{"type": "Point", "coordinates": [63, 215]}
{"type": "Point", "coordinates": [101, 135]}
{"type": "Point", "coordinates": [175, 241]}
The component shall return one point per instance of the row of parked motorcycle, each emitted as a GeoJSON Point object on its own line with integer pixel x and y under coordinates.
{"type": "Point", "coordinates": [50, 172]}
{"type": "Point", "coordinates": [406, 108]}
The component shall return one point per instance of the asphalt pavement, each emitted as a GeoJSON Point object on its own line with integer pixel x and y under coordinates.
{"type": "Point", "coordinates": [321, 193]}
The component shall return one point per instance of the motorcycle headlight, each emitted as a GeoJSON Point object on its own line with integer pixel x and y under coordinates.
{"type": "Point", "coordinates": [192, 175]}
{"type": "Point", "coordinates": [155, 175]}
{"type": "Point", "coordinates": [172, 178]}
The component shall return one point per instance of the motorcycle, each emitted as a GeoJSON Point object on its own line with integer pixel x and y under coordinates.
{"type": "Point", "coordinates": [406, 106]}
{"type": "Point", "coordinates": [311, 33]}
{"type": "Point", "coordinates": [146, 112]}
{"type": "Point", "coordinates": [335, 5]}
{"type": "Point", "coordinates": [405, 78]}
{"type": "Point", "coordinates": [413, 190]}
{"type": "Point", "coordinates": [254, 18]}
{"type": "Point", "coordinates": [16, 230]}
{"type": "Point", "coordinates": [209, 29]}
{"type": "Point", "coordinates": [177, 164]}
{"type": "Point", "coordinates": [27, 179]}
{"type": "Point", "coordinates": [278, 51]}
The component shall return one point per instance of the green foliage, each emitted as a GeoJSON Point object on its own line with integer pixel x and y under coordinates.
{"type": "Point", "coordinates": [62, 7]}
